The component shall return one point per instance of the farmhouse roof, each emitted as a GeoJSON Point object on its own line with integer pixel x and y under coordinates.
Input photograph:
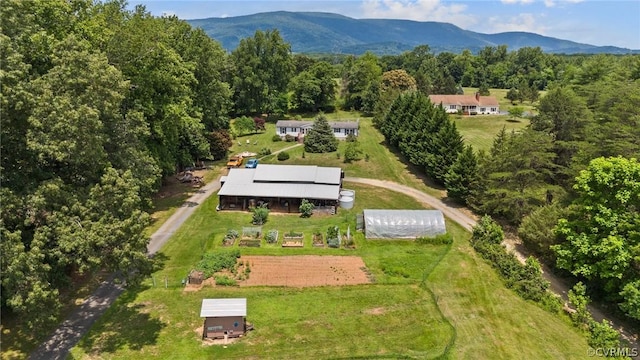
{"type": "Point", "coordinates": [284, 181]}
{"type": "Point", "coordinates": [309, 124]}
{"type": "Point", "coordinates": [463, 100]}
{"type": "Point", "coordinates": [223, 307]}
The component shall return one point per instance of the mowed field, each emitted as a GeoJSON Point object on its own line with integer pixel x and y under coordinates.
{"type": "Point", "coordinates": [423, 302]}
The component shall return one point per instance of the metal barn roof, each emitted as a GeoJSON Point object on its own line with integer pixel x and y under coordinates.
{"type": "Point", "coordinates": [223, 307]}
{"type": "Point", "coordinates": [284, 181]}
{"type": "Point", "coordinates": [403, 224]}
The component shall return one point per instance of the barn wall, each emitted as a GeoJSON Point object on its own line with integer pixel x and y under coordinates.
{"type": "Point", "coordinates": [215, 327]}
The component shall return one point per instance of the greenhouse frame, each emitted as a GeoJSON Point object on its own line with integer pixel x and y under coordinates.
{"type": "Point", "coordinates": [403, 224]}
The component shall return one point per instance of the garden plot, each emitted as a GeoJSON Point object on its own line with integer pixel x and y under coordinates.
{"type": "Point", "coordinates": [305, 271]}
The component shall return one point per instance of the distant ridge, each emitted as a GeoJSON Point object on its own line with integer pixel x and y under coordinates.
{"type": "Point", "coordinates": [317, 32]}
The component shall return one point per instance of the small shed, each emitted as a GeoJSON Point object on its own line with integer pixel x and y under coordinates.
{"type": "Point", "coordinates": [224, 317]}
{"type": "Point", "coordinates": [403, 224]}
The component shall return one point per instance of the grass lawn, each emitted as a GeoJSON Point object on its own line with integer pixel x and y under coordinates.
{"type": "Point", "coordinates": [427, 301]}
{"type": "Point", "coordinates": [480, 130]}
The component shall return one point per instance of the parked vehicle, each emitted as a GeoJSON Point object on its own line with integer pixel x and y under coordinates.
{"type": "Point", "coordinates": [235, 161]}
{"type": "Point", "coordinates": [251, 163]}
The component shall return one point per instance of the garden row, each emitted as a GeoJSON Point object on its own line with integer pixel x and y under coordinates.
{"type": "Point", "coordinates": [256, 237]}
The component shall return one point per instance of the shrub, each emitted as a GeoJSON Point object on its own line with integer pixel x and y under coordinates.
{"type": "Point", "coordinates": [306, 208]}
{"type": "Point", "coordinates": [437, 240]}
{"type": "Point", "coordinates": [282, 156]}
{"type": "Point", "coordinates": [224, 280]}
{"type": "Point", "coordinates": [289, 138]}
{"type": "Point", "coordinates": [264, 152]}
{"type": "Point", "coordinates": [276, 138]}
{"type": "Point", "coordinates": [487, 231]}
{"type": "Point", "coordinates": [260, 215]}
{"type": "Point", "coordinates": [233, 234]}
{"type": "Point", "coordinates": [352, 152]}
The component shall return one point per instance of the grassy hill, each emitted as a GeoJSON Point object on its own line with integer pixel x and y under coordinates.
{"type": "Point", "coordinates": [313, 32]}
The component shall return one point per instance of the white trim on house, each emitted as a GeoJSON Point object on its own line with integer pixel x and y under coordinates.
{"type": "Point", "coordinates": [467, 104]}
{"type": "Point", "coordinates": [298, 128]}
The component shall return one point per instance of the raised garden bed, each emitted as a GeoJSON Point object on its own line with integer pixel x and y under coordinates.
{"type": "Point", "coordinates": [251, 233]}
{"type": "Point", "coordinates": [292, 243]}
{"type": "Point", "coordinates": [271, 237]}
{"type": "Point", "coordinates": [293, 239]}
{"type": "Point", "coordinates": [318, 240]}
{"type": "Point", "coordinates": [230, 238]}
{"type": "Point", "coordinates": [250, 242]}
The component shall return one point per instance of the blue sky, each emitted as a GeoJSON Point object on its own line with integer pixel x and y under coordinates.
{"type": "Point", "coordinates": [586, 21]}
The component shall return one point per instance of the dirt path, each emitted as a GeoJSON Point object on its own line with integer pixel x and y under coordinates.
{"type": "Point", "coordinates": [67, 335]}
{"type": "Point", "coordinates": [557, 285]}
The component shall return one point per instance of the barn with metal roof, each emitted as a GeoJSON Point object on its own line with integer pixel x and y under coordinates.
{"type": "Point", "coordinates": [224, 317]}
{"type": "Point", "coordinates": [280, 187]}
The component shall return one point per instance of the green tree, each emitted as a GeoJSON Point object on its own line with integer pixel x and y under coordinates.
{"type": "Point", "coordinates": [536, 229]}
{"type": "Point", "coordinates": [352, 151]}
{"type": "Point", "coordinates": [262, 70]}
{"type": "Point", "coordinates": [320, 138]}
{"type": "Point", "coordinates": [260, 215]}
{"type": "Point", "coordinates": [515, 175]}
{"type": "Point", "coordinates": [463, 176]}
{"type": "Point", "coordinates": [244, 125]}
{"type": "Point", "coordinates": [600, 237]}
{"type": "Point", "coordinates": [359, 78]}
{"type": "Point", "coordinates": [516, 112]}
{"type": "Point", "coordinates": [488, 231]}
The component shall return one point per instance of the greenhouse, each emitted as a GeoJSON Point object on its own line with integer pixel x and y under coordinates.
{"type": "Point", "coordinates": [403, 224]}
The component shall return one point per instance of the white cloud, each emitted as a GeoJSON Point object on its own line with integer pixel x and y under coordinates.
{"type": "Point", "coordinates": [549, 3]}
{"type": "Point", "coordinates": [523, 22]}
{"type": "Point", "coordinates": [418, 10]}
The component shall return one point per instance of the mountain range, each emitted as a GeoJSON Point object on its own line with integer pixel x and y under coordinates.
{"type": "Point", "coordinates": [316, 32]}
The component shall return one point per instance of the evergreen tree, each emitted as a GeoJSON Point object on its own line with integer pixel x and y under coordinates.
{"type": "Point", "coordinates": [320, 138]}
{"type": "Point", "coordinates": [462, 176]}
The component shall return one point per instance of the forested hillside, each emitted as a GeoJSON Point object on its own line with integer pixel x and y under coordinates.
{"type": "Point", "coordinates": [99, 103]}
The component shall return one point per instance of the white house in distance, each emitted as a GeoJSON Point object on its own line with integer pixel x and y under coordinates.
{"type": "Point", "coordinates": [298, 128]}
{"type": "Point", "coordinates": [468, 104]}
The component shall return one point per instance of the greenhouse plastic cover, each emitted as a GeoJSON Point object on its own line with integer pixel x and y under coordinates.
{"type": "Point", "coordinates": [403, 224]}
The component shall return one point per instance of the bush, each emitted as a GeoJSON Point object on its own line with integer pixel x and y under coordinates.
{"type": "Point", "coordinates": [264, 152]}
{"type": "Point", "coordinates": [488, 231]}
{"type": "Point", "coordinates": [289, 138]}
{"type": "Point", "coordinates": [276, 138]}
{"type": "Point", "coordinates": [260, 215]}
{"type": "Point", "coordinates": [306, 208]}
{"type": "Point", "coordinates": [224, 280]}
{"type": "Point", "coordinates": [443, 239]}
{"type": "Point", "coordinates": [282, 156]}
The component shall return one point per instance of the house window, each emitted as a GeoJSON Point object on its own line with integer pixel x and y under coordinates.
{"type": "Point", "coordinates": [483, 109]}
{"type": "Point", "coordinates": [494, 109]}
{"type": "Point", "coordinates": [283, 130]}
{"type": "Point", "coordinates": [453, 107]}
{"type": "Point", "coordinates": [336, 130]}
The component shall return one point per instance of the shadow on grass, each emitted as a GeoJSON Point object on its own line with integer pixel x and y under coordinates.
{"type": "Point", "coordinates": [513, 121]}
{"type": "Point", "coordinates": [412, 169]}
{"type": "Point", "coordinates": [125, 325]}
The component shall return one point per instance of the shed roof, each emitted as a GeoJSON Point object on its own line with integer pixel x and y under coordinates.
{"type": "Point", "coordinates": [223, 307]}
